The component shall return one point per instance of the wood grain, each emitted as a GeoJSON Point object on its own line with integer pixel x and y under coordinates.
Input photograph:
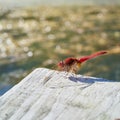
{"type": "Point", "coordinates": [51, 95]}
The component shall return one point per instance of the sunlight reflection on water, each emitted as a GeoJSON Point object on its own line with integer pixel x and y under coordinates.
{"type": "Point", "coordinates": [35, 37]}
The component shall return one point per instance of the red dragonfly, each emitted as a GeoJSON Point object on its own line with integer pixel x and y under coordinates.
{"type": "Point", "coordinates": [72, 64]}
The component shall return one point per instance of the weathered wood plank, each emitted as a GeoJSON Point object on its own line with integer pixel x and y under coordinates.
{"type": "Point", "coordinates": [50, 95]}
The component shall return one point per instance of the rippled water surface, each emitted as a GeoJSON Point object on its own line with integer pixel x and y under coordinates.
{"type": "Point", "coordinates": [41, 36]}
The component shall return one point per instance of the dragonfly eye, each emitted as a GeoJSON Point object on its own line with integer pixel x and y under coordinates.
{"type": "Point", "coordinates": [61, 64]}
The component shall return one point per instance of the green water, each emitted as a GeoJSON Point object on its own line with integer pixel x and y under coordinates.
{"type": "Point", "coordinates": [41, 36]}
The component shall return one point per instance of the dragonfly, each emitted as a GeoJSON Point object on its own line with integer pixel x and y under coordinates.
{"type": "Point", "coordinates": [72, 64]}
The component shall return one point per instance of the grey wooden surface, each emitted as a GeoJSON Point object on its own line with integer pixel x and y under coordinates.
{"type": "Point", "coordinates": [51, 95]}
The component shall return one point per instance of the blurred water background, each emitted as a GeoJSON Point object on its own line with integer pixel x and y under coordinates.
{"type": "Point", "coordinates": [36, 33]}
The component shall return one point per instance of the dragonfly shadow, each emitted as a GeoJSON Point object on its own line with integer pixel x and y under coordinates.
{"type": "Point", "coordinates": [89, 80]}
